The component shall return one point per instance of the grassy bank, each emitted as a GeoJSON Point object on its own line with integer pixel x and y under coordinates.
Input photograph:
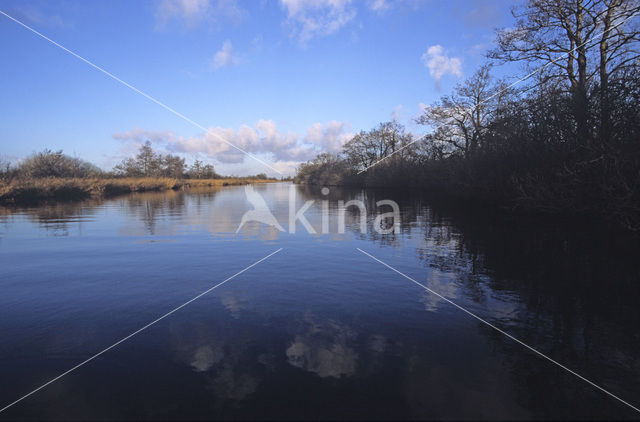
{"type": "Point", "coordinates": [33, 191]}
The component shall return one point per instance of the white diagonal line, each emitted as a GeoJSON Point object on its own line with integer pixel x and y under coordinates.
{"type": "Point", "coordinates": [144, 94]}
{"type": "Point", "coordinates": [398, 150]}
{"type": "Point", "coordinates": [524, 78]}
{"type": "Point", "coordinates": [502, 331]}
{"type": "Point", "coordinates": [136, 332]}
{"type": "Point", "coordinates": [556, 59]}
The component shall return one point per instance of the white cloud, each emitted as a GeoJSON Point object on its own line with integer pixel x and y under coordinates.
{"type": "Point", "coordinates": [192, 13]}
{"type": "Point", "coordinates": [40, 17]}
{"type": "Point", "coordinates": [225, 57]}
{"type": "Point", "coordinates": [397, 113]}
{"type": "Point", "coordinates": [440, 64]}
{"type": "Point", "coordinates": [131, 140]}
{"type": "Point", "coordinates": [330, 137]}
{"type": "Point", "coordinates": [287, 149]}
{"type": "Point", "coordinates": [379, 6]}
{"type": "Point", "coordinates": [317, 18]}
{"type": "Point", "coordinates": [286, 167]}
{"type": "Point", "coordinates": [140, 136]}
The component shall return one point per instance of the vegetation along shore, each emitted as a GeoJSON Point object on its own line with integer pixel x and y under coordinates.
{"type": "Point", "coordinates": [53, 176]}
{"type": "Point", "coordinates": [562, 137]}
{"type": "Point", "coordinates": [31, 191]}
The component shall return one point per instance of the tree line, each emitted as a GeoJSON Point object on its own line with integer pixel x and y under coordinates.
{"type": "Point", "coordinates": [146, 163]}
{"type": "Point", "coordinates": [565, 139]}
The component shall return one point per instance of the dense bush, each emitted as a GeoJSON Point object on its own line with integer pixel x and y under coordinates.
{"type": "Point", "coordinates": [147, 163]}
{"type": "Point", "coordinates": [55, 164]}
{"type": "Point", "coordinates": [327, 170]}
{"type": "Point", "coordinates": [6, 170]}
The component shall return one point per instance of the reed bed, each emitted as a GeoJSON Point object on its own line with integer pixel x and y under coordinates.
{"type": "Point", "coordinates": [212, 183]}
{"type": "Point", "coordinates": [29, 191]}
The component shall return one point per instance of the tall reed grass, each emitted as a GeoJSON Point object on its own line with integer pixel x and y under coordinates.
{"type": "Point", "coordinates": [29, 191]}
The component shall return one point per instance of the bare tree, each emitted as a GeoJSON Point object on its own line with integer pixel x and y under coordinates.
{"type": "Point", "coordinates": [366, 148]}
{"type": "Point", "coordinates": [5, 169]}
{"type": "Point", "coordinates": [461, 119]}
{"type": "Point", "coordinates": [56, 164]}
{"type": "Point", "coordinates": [562, 35]}
{"type": "Point", "coordinates": [618, 48]}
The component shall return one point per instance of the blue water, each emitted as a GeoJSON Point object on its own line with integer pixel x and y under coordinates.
{"type": "Point", "coordinates": [318, 330]}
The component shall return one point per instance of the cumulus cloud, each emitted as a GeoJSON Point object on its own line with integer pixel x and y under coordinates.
{"type": "Point", "coordinates": [192, 13]}
{"type": "Point", "coordinates": [317, 18]}
{"type": "Point", "coordinates": [225, 57]}
{"type": "Point", "coordinates": [265, 137]}
{"type": "Point", "coordinates": [440, 64]}
{"type": "Point", "coordinates": [287, 149]}
{"type": "Point", "coordinates": [329, 137]}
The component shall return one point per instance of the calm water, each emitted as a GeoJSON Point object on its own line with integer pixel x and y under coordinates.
{"type": "Point", "coordinates": [318, 330]}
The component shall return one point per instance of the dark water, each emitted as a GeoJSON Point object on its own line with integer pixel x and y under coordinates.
{"type": "Point", "coordinates": [318, 330]}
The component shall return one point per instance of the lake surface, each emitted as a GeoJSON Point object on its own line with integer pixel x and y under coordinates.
{"type": "Point", "coordinates": [319, 329]}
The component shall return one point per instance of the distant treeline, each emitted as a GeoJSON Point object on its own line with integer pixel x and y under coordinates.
{"type": "Point", "coordinates": [53, 176]}
{"type": "Point", "coordinates": [565, 140]}
{"type": "Point", "coordinates": [146, 163]}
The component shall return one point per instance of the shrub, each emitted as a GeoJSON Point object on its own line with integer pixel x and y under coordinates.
{"type": "Point", "coordinates": [56, 164]}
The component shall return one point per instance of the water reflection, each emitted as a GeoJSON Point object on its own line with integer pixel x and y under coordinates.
{"type": "Point", "coordinates": [568, 289]}
{"type": "Point", "coordinates": [228, 365]}
{"type": "Point", "coordinates": [324, 332]}
{"type": "Point", "coordinates": [325, 348]}
{"type": "Point", "coordinates": [57, 219]}
{"type": "Point", "coordinates": [149, 207]}
{"type": "Point", "coordinates": [233, 304]}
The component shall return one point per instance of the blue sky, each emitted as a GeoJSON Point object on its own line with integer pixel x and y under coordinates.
{"type": "Point", "coordinates": [283, 80]}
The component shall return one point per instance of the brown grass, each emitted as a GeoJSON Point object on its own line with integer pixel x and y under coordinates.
{"type": "Point", "coordinates": [48, 189]}
{"type": "Point", "coordinates": [210, 183]}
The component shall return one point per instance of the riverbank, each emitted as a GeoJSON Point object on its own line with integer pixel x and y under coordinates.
{"type": "Point", "coordinates": [456, 197]}
{"type": "Point", "coordinates": [33, 191]}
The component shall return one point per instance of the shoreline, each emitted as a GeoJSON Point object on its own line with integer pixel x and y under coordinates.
{"type": "Point", "coordinates": [496, 206]}
{"type": "Point", "coordinates": [36, 191]}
